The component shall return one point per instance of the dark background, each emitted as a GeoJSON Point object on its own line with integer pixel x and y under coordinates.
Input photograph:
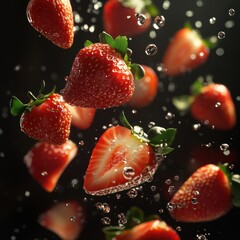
{"type": "Point", "coordinates": [28, 58]}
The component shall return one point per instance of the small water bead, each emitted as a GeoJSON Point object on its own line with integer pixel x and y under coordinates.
{"type": "Point", "coordinates": [159, 22]}
{"type": "Point", "coordinates": [221, 35]}
{"type": "Point", "coordinates": [201, 237]}
{"type": "Point", "coordinates": [153, 188]}
{"type": "Point", "coordinates": [152, 34]}
{"type": "Point", "coordinates": [128, 173]}
{"type": "Point", "coordinates": [151, 49]}
{"type": "Point", "coordinates": [189, 13]}
{"type": "Point", "coordinates": [132, 193]}
{"type": "Point", "coordinates": [231, 12]}
{"type": "Point", "coordinates": [168, 181]}
{"type": "Point", "coordinates": [178, 228]}
{"type": "Point", "coordinates": [141, 18]}
{"type": "Point", "coordinates": [218, 104]}
{"type": "Point", "coordinates": [81, 143]}
{"type": "Point", "coordinates": [198, 24]}
{"type": "Point", "coordinates": [134, 111]}
{"type": "Point", "coordinates": [199, 3]}
{"type": "Point", "coordinates": [166, 4]}
{"type": "Point", "coordinates": [169, 116]}
{"type": "Point", "coordinates": [176, 178]}
{"type": "Point", "coordinates": [73, 219]}
{"type": "Point", "coordinates": [106, 220]}
{"type": "Point", "coordinates": [118, 195]}
{"type": "Point", "coordinates": [171, 189]}
{"type": "Point", "coordinates": [229, 24]}
{"type": "Point", "coordinates": [194, 200]}
{"type": "Point", "coordinates": [170, 206]}
{"type": "Point", "coordinates": [156, 197]}
{"type": "Point", "coordinates": [160, 68]}
{"type": "Point", "coordinates": [224, 147]}
{"type": "Point", "coordinates": [44, 173]}
{"type": "Point", "coordinates": [196, 126]}
{"type": "Point", "coordinates": [212, 20]}
{"type": "Point", "coordinates": [151, 124]}
{"type": "Point", "coordinates": [219, 52]}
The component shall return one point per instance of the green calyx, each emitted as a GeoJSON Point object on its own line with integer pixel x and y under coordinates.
{"type": "Point", "coordinates": [134, 216]}
{"type": "Point", "coordinates": [17, 107]}
{"type": "Point", "coordinates": [120, 44]}
{"type": "Point", "coordinates": [141, 6]}
{"type": "Point", "coordinates": [234, 180]}
{"type": "Point", "coordinates": [160, 139]}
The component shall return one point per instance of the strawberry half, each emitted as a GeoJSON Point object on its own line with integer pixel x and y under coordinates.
{"type": "Point", "coordinates": [100, 76]}
{"type": "Point", "coordinates": [45, 118]}
{"type": "Point", "coordinates": [66, 219]}
{"type": "Point", "coordinates": [124, 157]}
{"type": "Point", "coordinates": [53, 19]}
{"type": "Point", "coordinates": [82, 118]}
{"type": "Point", "coordinates": [120, 17]}
{"type": "Point", "coordinates": [46, 162]}
{"type": "Point", "coordinates": [140, 228]}
{"type": "Point", "coordinates": [146, 89]}
{"type": "Point", "coordinates": [208, 194]}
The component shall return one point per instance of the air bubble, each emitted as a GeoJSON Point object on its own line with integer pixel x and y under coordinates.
{"type": "Point", "coordinates": [221, 35]}
{"type": "Point", "coordinates": [231, 12]}
{"type": "Point", "coordinates": [196, 126]}
{"type": "Point", "coordinates": [159, 22]}
{"type": "Point", "coordinates": [212, 20]}
{"type": "Point", "coordinates": [141, 18]}
{"type": "Point", "coordinates": [151, 49]}
{"type": "Point", "coordinates": [106, 220]}
{"type": "Point", "coordinates": [132, 193]}
{"type": "Point", "coordinates": [128, 173]}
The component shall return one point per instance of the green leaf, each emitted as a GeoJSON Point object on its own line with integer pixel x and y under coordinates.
{"type": "Point", "coordinates": [107, 38]}
{"type": "Point", "coordinates": [121, 45]}
{"type": "Point", "coordinates": [124, 121]}
{"type": "Point", "coordinates": [164, 138]}
{"type": "Point", "coordinates": [196, 87]}
{"type": "Point", "coordinates": [151, 217]}
{"type": "Point", "coordinates": [134, 216]}
{"type": "Point", "coordinates": [211, 42]}
{"type": "Point", "coordinates": [16, 106]}
{"type": "Point", "coordinates": [153, 10]}
{"type": "Point", "coordinates": [183, 102]}
{"type": "Point", "coordinates": [112, 231]}
{"type": "Point", "coordinates": [87, 43]}
{"type": "Point", "coordinates": [236, 189]}
{"type": "Point", "coordinates": [166, 150]}
{"type": "Point", "coordinates": [137, 71]}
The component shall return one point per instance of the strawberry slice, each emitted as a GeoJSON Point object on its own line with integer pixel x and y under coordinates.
{"type": "Point", "coordinates": [46, 162]}
{"type": "Point", "coordinates": [82, 118]}
{"type": "Point", "coordinates": [66, 219]}
{"type": "Point", "coordinates": [124, 158]}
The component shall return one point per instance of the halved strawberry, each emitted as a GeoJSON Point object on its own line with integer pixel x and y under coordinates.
{"type": "Point", "coordinates": [46, 162]}
{"type": "Point", "coordinates": [65, 218]}
{"type": "Point", "coordinates": [124, 157]}
{"type": "Point", "coordinates": [53, 19]}
{"type": "Point", "coordinates": [82, 118]}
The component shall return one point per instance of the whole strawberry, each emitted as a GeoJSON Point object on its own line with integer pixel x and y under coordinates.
{"type": "Point", "coordinates": [53, 19]}
{"type": "Point", "coordinates": [101, 74]}
{"type": "Point", "coordinates": [210, 104]}
{"type": "Point", "coordinates": [208, 194]}
{"type": "Point", "coordinates": [129, 18]}
{"type": "Point", "coordinates": [45, 118]}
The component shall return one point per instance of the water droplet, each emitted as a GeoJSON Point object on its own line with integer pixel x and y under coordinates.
{"type": "Point", "coordinates": [132, 193]}
{"type": "Point", "coordinates": [153, 188]}
{"type": "Point", "coordinates": [151, 124]}
{"type": "Point", "coordinates": [178, 228]}
{"type": "Point", "coordinates": [224, 147]}
{"type": "Point", "coordinates": [170, 206]}
{"type": "Point", "coordinates": [168, 181]}
{"type": "Point", "coordinates": [176, 178]}
{"type": "Point", "coordinates": [196, 126]}
{"type": "Point", "coordinates": [106, 208]}
{"type": "Point", "coordinates": [151, 49]}
{"type": "Point", "coordinates": [156, 197]}
{"type": "Point", "coordinates": [201, 237]}
{"type": "Point", "coordinates": [199, 3]}
{"type": "Point", "coordinates": [171, 189]}
{"type": "Point", "coordinates": [118, 195]}
{"type": "Point", "coordinates": [166, 4]}
{"type": "Point", "coordinates": [128, 173]}
{"type": "Point", "coordinates": [169, 116]}
{"type": "Point", "coordinates": [73, 219]}
{"type": "Point", "coordinates": [81, 143]}
{"type": "Point", "coordinates": [212, 20]}
{"type": "Point", "coordinates": [189, 13]}
{"type": "Point", "coordinates": [231, 12]}
{"type": "Point", "coordinates": [159, 22]}
{"type": "Point", "coordinates": [218, 104]}
{"type": "Point", "coordinates": [106, 220]}
{"type": "Point", "coordinates": [198, 24]}
{"type": "Point", "coordinates": [221, 35]}
{"type": "Point", "coordinates": [220, 51]}
{"type": "Point", "coordinates": [194, 200]}
{"type": "Point", "coordinates": [141, 18]}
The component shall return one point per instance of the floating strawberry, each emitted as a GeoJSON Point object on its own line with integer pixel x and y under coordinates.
{"type": "Point", "coordinates": [46, 162]}
{"type": "Point", "coordinates": [145, 89]}
{"type": "Point", "coordinates": [82, 118]}
{"type": "Point", "coordinates": [45, 118]}
{"type": "Point", "coordinates": [208, 194]}
{"type": "Point", "coordinates": [100, 76]}
{"type": "Point", "coordinates": [140, 228]}
{"type": "Point", "coordinates": [210, 104]}
{"type": "Point", "coordinates": [65, 218]}
{"type": "Point", "coordinates": [53, 19]}
{"type": "Point", "coordinates": [186, 51]}
{"type": "Point", "coordinates": [125, 157]}
{"type": "Point", "coordinates": [128, 18]}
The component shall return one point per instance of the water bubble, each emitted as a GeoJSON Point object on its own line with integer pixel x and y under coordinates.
{"type": "Point", "coordinates": [176, 178]}
{"type": "Point", "coordinates": [229, 24]}
{"type": "Point", "coordinates": [231, 12]}
{"type": "Point", "coordinates": [198, 24]}
{"type": "Point", "coordinates": [194, 200]}
{"type": "Point", "coordinates": [212, 20]}
{"type": "Point", "coordinates": [118, 195]}
{"type": "Point", "coordinates": [201, 237]}
{"type": "Point", "coordinates": [168, 181]}
{"type": "Point", "coordinates": [132, 193]}
{"type": "Point", "coordinates": [151, 124]}
{"type": "Point", "coordinates": [169, 116]}
{"type": "Point", "coordinates": [151, 49]}
{"type": "Point", "coordinates": [170, 206]}
{"type": "Point", "coordinates": [134, 111]}
{"type": "Point", "coordinates": [171, 189]}
{"type": "Point", "coordinates": [74, 183]}
{"type": "Point", "coordinates": [156, 197]}
{"type": "Point", "coordinates": [106, 208]}
{"type": "Point", "coordinates": [160, 68]}
{"type": "Point", "coordinates": [141, 18]}
{"type": "Point", "coordinates": [27, 193]}
{"type": "Point", "coordinates": [220, 52]}
{"type": "Point", "coordinates": [178, 228]}
{"type": "Point", "coordinates": [153, 188]}
{"type": "Point", "coordinates": [196, 126]}
{"type": "Point", "coordinates": [199, 3]}
{"type": "Point", "coordinates": [106, 220]}
{"type": "Point", "coordinates": [218, 104]}
{"type": "Point", "coordinates": [166, 4]}
{"type": "Point", "coordinates": [189, 13]}
{"type": "Point", "coordinates": [221, 35]}
{"type": "Point", "coordinates": [224, 147]}
{"type": "Point", "coordinates": [81, 143]}
{"type": "Point", "coordinates": [159, 22]}
{"type": "Point", "coordinates": [128, 173]}
{"type": "Point", "coordinates": [73, 219]}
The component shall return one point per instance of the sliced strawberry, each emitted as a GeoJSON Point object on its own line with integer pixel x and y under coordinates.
{"type": "Point", "coordinates": [53, 19]}
{"type": "Point", "coordinates": [82, 118]}
{"type": "Point", "coordinates": [46, 162]}
{"type": "Point", "coordinates": [124, 158]}
{"type": "Point", "coordinates": [145, 90]}
{"type": "Point", "coordinates": [66, 219]}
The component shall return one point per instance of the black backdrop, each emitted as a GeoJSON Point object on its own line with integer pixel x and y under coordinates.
{"type": "Point", "coordinates": [28, 58]}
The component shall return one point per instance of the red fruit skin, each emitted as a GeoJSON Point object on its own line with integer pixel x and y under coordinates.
{"type": "Point", "coordinates": [185, 52]}
{"type": "Point", "coordinates": [204, 196]}
{"type": "Point", "coordinates": [154, 230]}
{"type": "Point", "coordinates": [214, 107]}
{"type": "Point", "coordinates": [66, 219]}
{"type": "Point", "coordinates": [120, 20]}
{"type": "Point", "coordinates": [49, 122]}
{"type": "Point", "coordinates": [99, 78]}
{"type": "Point", "coordinates": [53, 19]}
{"type": "Point", "coordinates": [146, 89]}
{"type": "Point", "coordinates": [46, 162]}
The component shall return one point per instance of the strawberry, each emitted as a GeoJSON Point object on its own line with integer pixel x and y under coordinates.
{"type": "Point", "coordinates": [140, 228]}
{"type": "Point", "coordinates": [46, 162]}
{"type": "Point", "coordinates": [100, 76]}
{"type": "Point", "coordinates": [186, 51]}
{"type": "Point", "coordinates": [45, 118]}
{"type": "Point", "coordinates": [53, 19]}
{"type": "Point", "coordinates": [145, 89]}
{"type": "Point", "coordinates": [124, 157]}
{"type": "Point", "coordinates": [210, 104]}
{"type": "Point", "coordinates": [208, 194]}
{"type": "Point", "coordinates": [82, 118]}
{"type": "Point", "coordinates": [66, 219]}
{"type": "Point", "coordinates": [129, 18]}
